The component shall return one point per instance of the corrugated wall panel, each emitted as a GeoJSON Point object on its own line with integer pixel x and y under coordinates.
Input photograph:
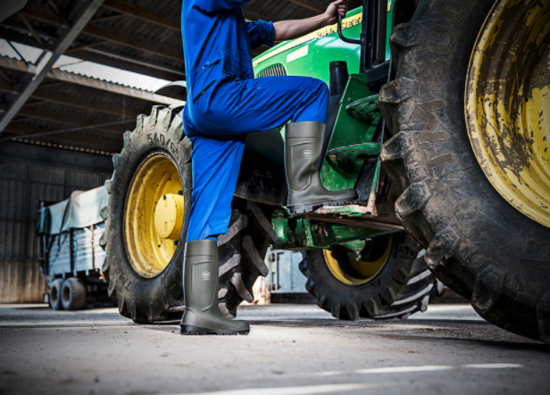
{"type": "Point", "coordinates": [21, 186]}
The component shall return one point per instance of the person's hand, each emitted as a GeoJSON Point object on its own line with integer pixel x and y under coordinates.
{"type": "Point", "coordinates": [334, 9]}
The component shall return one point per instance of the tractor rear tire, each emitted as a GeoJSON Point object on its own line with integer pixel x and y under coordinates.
{"type": "Point", "coordinates": [403, 286]}
{"type": "Point", "coordinates": [55, 294]}
{"type": "Point", "coordinates": [73, 294]}
{"type": "Point", "coordinates": [477, 243]}
{"type": "Point", "coordinates": [158, 298]}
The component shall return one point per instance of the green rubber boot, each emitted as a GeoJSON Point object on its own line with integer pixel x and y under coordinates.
{"type": "Point", "coordinates": [200, 291]}
{"type": "Point", "coordinates": [303, 146]}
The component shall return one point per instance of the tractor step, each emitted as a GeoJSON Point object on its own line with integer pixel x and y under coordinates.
{"type": "Point", "coordinates": [351, 157]}
{"type": "Point", "coordinates": [350, 210]}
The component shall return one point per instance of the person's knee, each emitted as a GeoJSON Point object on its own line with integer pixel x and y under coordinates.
{"type": "Point", "coordinates": [321, 90]}
{"type": "Point", "coordinates": [320, 87]}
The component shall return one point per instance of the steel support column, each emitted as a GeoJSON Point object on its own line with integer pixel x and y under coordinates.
{"type": "Point", "coordinates": [85, 11]}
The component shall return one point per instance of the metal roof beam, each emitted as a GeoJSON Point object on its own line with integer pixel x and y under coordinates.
{"type": "Point", "coordinates": [85, 13]}
{"type": "Point", "coordinates": [143, 14]}
{"type": "Point", "coordinates": [99, 56]}
{"type": "Point", "coordinates": [25, 131]}
{"type": "Point", "coordinates": [86, 104]}
{"type": "Point", "coordinates": [67, 119]}
{"type": "Point", "coordinates": [109, 35]}
{"type": "Point", "coordinates": [89, 82]}
{"type": "Point", "coordinates": [44, 94]}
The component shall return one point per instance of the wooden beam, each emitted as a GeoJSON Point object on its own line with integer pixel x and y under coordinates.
{"type": "Point", "coordinates": [54, 7]}
{"type": "Point", "coordinates": [81, 47]}
{"type": "Point", "coordinates": [310, 5]}
{"type": "Point", "coordinates": [67, 119]}
{"type": "Point", "coordinates": [93, 83]}
{"type": "Point", "coordinates": [75, 139]}
{"type": "Point", "coordinates": [31, 29]}
{"type": "Point", "coordinates": [107, 18]}
{"type": "Point", "coordinates": [86, 104]}
{"type": "Point", "coordinates": [109, 35]}
{"type": "Point", "coordinates": [44, 94]}
{"type": "Point", "coordinates": [6, 86]}
{"type": "Point", "coordinates": [143, 14]}
{"type": "Point", "coordinates": [111, 87]}
{"type": "Point", "coordinates": [104, 57]}
{"type": "Point", "coordinates": [133, 42]}
{"type": "Point", "coordinates": [83, 13]}
{"type": "Point", "coordinates": [4, 76]}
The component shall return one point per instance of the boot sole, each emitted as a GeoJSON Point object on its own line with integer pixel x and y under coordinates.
{"type": "Point", "coordinates": [307, 208]}
{"type": "Point", "coordinates": [196, 330]}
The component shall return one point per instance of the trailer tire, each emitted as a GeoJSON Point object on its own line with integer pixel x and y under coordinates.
{"type": "Point", "coordinates": [403, 286]}
{"type": "Point", "coordinates": [55, 294]}
{"type": "Point", "coordinates": [477, 243]}
{"type": "Point", "coordinates": [73, 294]}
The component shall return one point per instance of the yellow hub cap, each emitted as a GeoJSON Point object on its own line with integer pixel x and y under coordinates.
{"type": "Point", "coordinates": [169, 216]}
{"type": "Point", "coordinates": [357, 272]}
{"type": "Point", "coordinates": [508, 104]}
{"type": "Point", "coordinates": [153, 217]}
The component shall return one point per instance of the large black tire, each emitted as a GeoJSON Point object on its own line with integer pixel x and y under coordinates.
{"type": "Point", "coordinates": [477, 243]}
{"type": "Point", "coordinates": [160, 299]}
{"type": "Point", "coordinates": [403, 286]}
{"type": "Point", "coordinates": [55, 294]}
{"type": "Point", "coordinates": [242, 251]}
{"type": "Point", "coordinates": [73, 294]}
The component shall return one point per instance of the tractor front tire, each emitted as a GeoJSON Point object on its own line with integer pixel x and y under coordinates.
{"type": "Point", "coordinates": [397, 287]}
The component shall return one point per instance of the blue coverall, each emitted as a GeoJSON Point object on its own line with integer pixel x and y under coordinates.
{"type": "Point", "coordinates": [225, 103]}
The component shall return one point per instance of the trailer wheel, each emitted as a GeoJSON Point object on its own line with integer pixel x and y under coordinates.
{"type": "Point", "coordinates": [388, 280]}
{"type": "Point", "coordinates": [469, 113]}
{"type": "Point", "coordinates": [55, 294]}
{"type": "Point", "coordinates": [150, 196]}
{"type": "Point", "coordinates": [73, 294]}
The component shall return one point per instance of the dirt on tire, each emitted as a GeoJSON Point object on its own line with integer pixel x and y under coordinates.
{"type": "Point", "coordinates": [403, 286]}
{"type": "Point", "coordinates": [160, 299]}
{"type": "Point", "coordinates": [477, 243]}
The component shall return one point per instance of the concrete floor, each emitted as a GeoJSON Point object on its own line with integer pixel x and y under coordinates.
{"type": "Point", "coordinates": [292, 349]}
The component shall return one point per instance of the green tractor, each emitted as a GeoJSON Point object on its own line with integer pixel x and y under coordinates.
{"type": "Point", "coordinates": [438, 117]}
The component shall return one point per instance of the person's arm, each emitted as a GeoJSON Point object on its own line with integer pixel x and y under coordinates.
{"type": "Point", "coordinates": [260, 33]}
{"type": "Point", "coordinates": [289, 30]}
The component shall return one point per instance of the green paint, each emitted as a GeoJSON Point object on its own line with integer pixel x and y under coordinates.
{"type": "Point", "coordinates": [300, 233]}
{"type": "Point", "coordinates": [351, 142]}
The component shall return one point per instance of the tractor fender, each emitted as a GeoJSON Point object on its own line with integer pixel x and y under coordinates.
{"type": "Point", "coordinates": [175, 90]}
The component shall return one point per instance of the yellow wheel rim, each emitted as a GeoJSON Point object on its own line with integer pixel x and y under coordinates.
{"type": "Point", "coordinates": [153, 217]}
{"type": "Point", "coordinates": [352, 271]}
{"type": "Point", "coordinates": [508, 104]}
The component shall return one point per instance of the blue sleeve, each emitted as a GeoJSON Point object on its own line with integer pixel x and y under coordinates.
{"type": "Point", "coordinates": [221, 5]}
{"type": "Point", "coordinates": [261, 33]}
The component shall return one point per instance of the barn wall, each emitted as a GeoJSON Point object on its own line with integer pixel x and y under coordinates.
{"type": "Point", "coordinates": [22, 185]}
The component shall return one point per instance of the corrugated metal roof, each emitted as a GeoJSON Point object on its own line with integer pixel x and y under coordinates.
{"type": "Point", "coordinates": [133, 44]}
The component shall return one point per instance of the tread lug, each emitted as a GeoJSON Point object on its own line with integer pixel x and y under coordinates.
{"type": "Point", "coordinates": [543, 317]}
{"type": "Point", "coordinates": [487, 289]}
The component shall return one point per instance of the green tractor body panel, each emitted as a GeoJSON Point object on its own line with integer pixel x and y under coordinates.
{"type": "Point", "coordinates": [310, 55]}
{"type": "Point", "coordinates": [351, 143]}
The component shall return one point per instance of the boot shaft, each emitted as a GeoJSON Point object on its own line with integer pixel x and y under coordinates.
{"type": "Point", "coordinates": [304, 143]}
{"type": "Point", "coordinates": [200, 278]}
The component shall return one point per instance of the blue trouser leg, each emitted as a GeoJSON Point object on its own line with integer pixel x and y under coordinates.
{"type": "Point", "coordinates": [217, 126]}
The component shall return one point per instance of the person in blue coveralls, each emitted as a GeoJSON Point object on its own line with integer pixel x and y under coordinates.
{"type": "Point", "coordinates": [224, 104]}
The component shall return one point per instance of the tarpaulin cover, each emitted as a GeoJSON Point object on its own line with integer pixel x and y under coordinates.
{"type": "Point", "coordinates": [82, 209]}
